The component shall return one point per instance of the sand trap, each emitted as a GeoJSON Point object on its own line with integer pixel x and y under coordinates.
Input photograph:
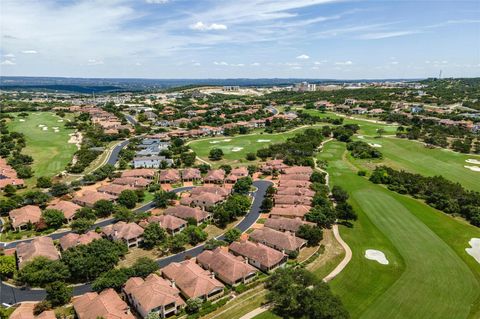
{"type": "Point", "coordinates": [44, 128]}
{"type": "Point", "coordinates": [21, 120]}
{"type": "Point", "coordinates": [374, 145]}
{"type": "Point", "coordinates": [214, 142]}
{"type": "Point", "coordinates": [227, 140]}
{"type": "Point", "coordinates": [472, 161]}
{"type": "Point", "coordinates": [41, 125]}
{"type": "Point", "coordinates": [237, 149]}
{"type": "Point", "coordinates": [76, 138]}
{"type": "Point", "coordinates": [475, 250]}
{"type": "Point", "coordinates": [361, 137]}
{"type": "Point", "coordinates": [60, 121]}
{"type": "Point", "coordinates": [263, 141]}
{"type": "Point", "coordinates": [473, 168]}
{"type": "Point", "coordinates": [376, 255]}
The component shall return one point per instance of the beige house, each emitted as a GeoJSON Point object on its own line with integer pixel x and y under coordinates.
{"type": "Point", "coordinates": [282, 241]}
{"type": "Point", "coordinates": [258, 255]}
{"type": "Point", "coordinates": [130, 233]}
{"type": "Point", "coordinates": [68, 208]}
{"type": "Point", "coordinates": [72, 240]}
{"type": "Point", "coordinates": [38, 247]}
{"type": "Point", "coordinates": [21, 217]}
{"type": "Point", "coordinates": [107, 305]}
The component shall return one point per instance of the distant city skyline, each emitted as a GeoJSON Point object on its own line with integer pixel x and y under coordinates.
{"type": "Point", "coordinates": [317, 39]}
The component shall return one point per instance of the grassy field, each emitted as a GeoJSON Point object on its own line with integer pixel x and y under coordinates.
{"type": "Point", "coordinates": [50, 150]}
{"type": "Point", "coordinates": [429, 274]}
{"type": "Point", "coordinates": [236, 148]}
{"type": "Point", "coordinates": [412, 156]}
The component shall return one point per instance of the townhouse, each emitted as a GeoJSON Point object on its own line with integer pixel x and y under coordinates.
{"type": "Point", "coordinates": [186, 213]}
{"type": "Point", "coordinates": [38, 247]}
{"type": "Point", "coordinates": [106, 304]}
{"type": "Point", "coordinates": [170, 223]}
{"type": "Point", "coordinates": [130, 233]}
{"type": "Point", "coordinates": [258, 255]}
{"type": "Point", "coordinates": [283, 241]}
{"type": "Point", "coordinates": [22, 217]}
{"type": "Point", "coordinates": [72, 239]}
{"type": "Point", "coordinates": [67, 208]}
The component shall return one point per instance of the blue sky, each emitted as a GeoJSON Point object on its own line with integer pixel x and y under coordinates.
{"type": "Point", "coordinates": [243, 38]}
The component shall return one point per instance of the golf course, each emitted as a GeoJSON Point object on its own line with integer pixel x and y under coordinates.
{"type": "Point", "coordinates": [428, 275]}
{"type": "Point", "coordinates": [49, 147]}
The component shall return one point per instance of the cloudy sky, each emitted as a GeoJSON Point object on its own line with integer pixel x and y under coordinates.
{"type": "Point", "coordinates": [243, 38]}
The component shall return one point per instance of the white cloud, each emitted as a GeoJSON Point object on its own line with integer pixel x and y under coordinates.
{"type": "Point", "coordinates": [296, 67]}
{"type": "Point", "coordinates": [320, 62]}
{"type": "Point", "coordinates": [388, 34]}
{"type": "Point", "coordinates": [255, 64]}
{"type": "Point", "coordinates": [394, 62]}
{"type": "Point", "coordinates": [156, 1]}
{"type": "Point", "coordinates": [344, 63]}
{"type": "Point", "coordinates": [207, 27]}
{"type": "Point", "coordinates": [220, 63]}
{"type": "Point", "coordinates": [29, 52]}
{"type": "Point", "coordinates": [7, 62]}
{"type": "Point", "coordinates": [303, 57]}
{"type": "Point", "coordinates": [94, 62]}
{"type": "Point", "coordinates": [9, 55]}
{"type": "Point", "coordinates": [196, 64]}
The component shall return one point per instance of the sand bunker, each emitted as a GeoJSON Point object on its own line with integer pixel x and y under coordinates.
{"type": "Point", "coordinates": [376, 255]}
{"type": "Point", "coordinates": [41, 125]}
{"type": "Point", "coordinates": [263, 141]}
{"type": "Point", "coordinates": [60, 121]}
{"type": "Point", "coordinates": [361, 137]}
{"type": "Point", "coordinates": [44, 128]}
{"type": "Point", "coordinates": [473, 168]}
{"type": "Point", "coordinates": [374, 145]}
{"type": "Point", "coordinates": [474, 251]}
{"type": "Point", "coordinates": [227, 140]}
{"type": "Point", "coordinates": [237, 149]}
{"type": "Point", "coordinates": [55, 127]}
{"type": "Point", "coordinates": [76, 138]}
{"type": "Point", "coordinates": [472, 161]}
{"type": "Point", "coordinates": [21, 120]}
{"type": "Point", "coordinates": [214, 142]}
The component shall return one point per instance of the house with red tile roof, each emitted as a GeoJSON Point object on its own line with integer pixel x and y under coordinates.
{"type": "Point", "coordinates": [106, 304]}
{"type": "Point", "coordinates": [72, 239]}
{"type": "Point", "coordinates": [114, 189]}
{"type": "Point", "coordinates": [236, 174]}
{"type": "Point", "coordinates": [215, 176]}
{"type": "Point", "coordinates": [171, 176]}
{"type": "Point", "coordinates": [294, 177]}
{"type": "Point", "coordinates": [193, 281]}
{"type": "Point", "coordinates": [290, 211]}
{"type": "Point", "coordinates": [286, 224]}
{"type": "Point", "coordinates": [8, 176]}
{"type": "Point", "coordinates": [68, 208]}
{"type": "Point", "coordinates": [292, 200]}
{"type": "Point", "coordinates": [285, 242]}
{"type": "Point", "coordinates": [186, 212]}
{"type": "Point", "coordinates": [137, 182]}
{"type": "Point", "coordinates": [273, 165]}
{"type": "Point", "coordinates": [205, 201]}
{"type": "Point", "coordinates": [40, 246]}
{"type": "Point", "coordinates": [153, 295]}
{"type": "Point", "coordinates": [304, 170]}
{"type": "Point", "coordinates": [222, 191]}
{"type": "Point", "coordinates": [230, 269]}
{"type": "Point", "coordinates": [89, 198]}
{"type": "Point", "coordinates": [130, 233]}
{"type": "Point", "coordinates": [170, 223]}
{"type": "Point", "coordinates": [21, 217]}
{"type": "Point", "coordinates": [295, 191]}
{"type": "Point", "coordinates": [191, 174]}
{"type": "Point", "coordinates": [258, 255]}
{"type": "Point", "coordinates": [294, 183]}
{"type": "Point", "coordinates": [147, 173]}
{"type": "Point", "coordinates": [25, 311]}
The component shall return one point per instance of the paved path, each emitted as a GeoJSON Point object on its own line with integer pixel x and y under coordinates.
{"type": "Point", "coordinates": [13, 295]}
{"type": "Point", "coordinates": [255, 312]}
{"type": "Point", "coordinates": [346, 259]}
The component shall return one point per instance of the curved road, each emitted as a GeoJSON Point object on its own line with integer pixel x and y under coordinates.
{"type": "Point", "coordinates": [12, 295]}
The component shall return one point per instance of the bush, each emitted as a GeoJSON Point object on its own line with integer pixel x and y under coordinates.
{"type": "Point", "coordinates": [251, 156]}
{"type": "Point", "coordinates": [215, 154]}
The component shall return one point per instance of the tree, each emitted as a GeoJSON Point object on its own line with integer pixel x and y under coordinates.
{"type": "Point", "coordinates": [177, 242]}
{"type": "Point", "coordinates": [144, 266]}
{"type": "Point", "coordinates": [226, 168]}
{"type": "Point", "coordinates": [9, 190]}
{"type": "Point", "coordinates": [54, 218]}
{"type": "Point", "coordinates": [103, 208]}
{"type": "Point", "coordinates": [8, 266]}
{"type": "Point", "coordinates": [128, 198]}
{"type": "Point", "coordinates": [86, 212]}
{"type": "Point", "coordinates": [58, 293]}
{"type": "Point", "coordinates": [251, 156]}
{"type": "Point", "coordinates": [193, 305]}
{"type": "Point", "coordinates": [163, 198]}
{"type": "Point", "coordinates": [339, 194]}
{"type": "Point", "coordinates": [59, 189]}
{"type": "Point", "coordinates": [232, 235]}
{"type": "Point", "coordinates": [242, 186]}
{"type": "Point", "coordinates": [41, 271]}
{"type": "Point", "coordinates": [81, 225]}
{"type": "Point", "coordinates": [114, 278]}
{"type": "Point", "coordinates": [215, 154]}
{"type": "Point", "coordinates": [195, 235]}
{"type": "Point", "coordinates": [312, 234]}
{"type": "Point", "coordinates": [153, 235]}
{"type": "Point", "coordinates": [124, 214]}
{"type": "Point", "coordinates": [380, 132]}
{"type": "Point", "coordinates": [213, 243]}
{"type": "Point", "coordinates": [267, 205]}
{"type": "Point", "coordinates": [345, 211]}
{"type": "Point", "coordinates": [323, 216]}
{"type": "Point", "coordinates": [24, 171]}
{"type": "Point", "coordinates": [44, 182]}
{"type": "Point", "coordinates": [153, 315]}
{"type": "Point", "coordinates": [317, 177]}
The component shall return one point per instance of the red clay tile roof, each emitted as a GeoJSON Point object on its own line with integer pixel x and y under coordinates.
{"type": "Point", "coordinates": [295, 191]}
{"type": "Point", "coordinates": [114, 189]}
{"type": "Point", "coordinates": [225, 265]}
{"type": "Point", "coordinates": [140, 172]}
{"type": "Point", "coordinates": [68, 208]}
{"type": "Point", "coordinates": [170, 175]}
{"type": "Point", "coordinates": [24, 215]}
{"type": "Point", "coordinates": [107, 305]}
{"type": "Point", "coordinates": [286, 224]}
{"type": "Point", "coordinates": [40, 246]}
{"type": "Point", "coordinates": [123, 230]}
{"type": "Point", "coordinates": [211, 189]}
{"type": "Point", "coordinates": [292, 200]}
{"type": "Point", "coordinates": [191, 279]}
{"type": "Point", "coordinates": [185, 212]}
{"type": "Point", "coordinates": [72, 239]}
{"type": "Point", "coordinates": [277, 238]}
{"type": "Point", "coordinates": [266, 256]}
{"type": "Point", "coordinates": [169, 222]}
{"type": "Point", "coordinates": [290, 211]}
{"type": "Point", "coordinates": [132, 181]}
{"type": "Point", "coordinates": [25, 311]}
{"type": "Point", "coordinates": [307, 170]}
{"type": "Point", "coordinates": [90, 198]}
{"type": "Point", "coordinates": [294, 183]}
{"type": "Point", "coordinates": [215, 175]}
{"type": "Point", "coordinates": [295, 177]}
{"type": "Point", "coordinates": [191, 173]}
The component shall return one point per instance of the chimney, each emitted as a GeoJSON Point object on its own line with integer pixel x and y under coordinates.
{"type": "Point", "coordinates": [212, 275]}
{"type": "Point", "coordinates": [173, 284]}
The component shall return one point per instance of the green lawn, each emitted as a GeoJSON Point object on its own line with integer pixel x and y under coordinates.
{"type": "Point", "coordinates": [429, 275]}
{"type": "Point", "coordinates": [50, 150]}
{"type": "Point", "coordinates": [414, 157]}
{"type": "Point", "coordinates": [235, 148]}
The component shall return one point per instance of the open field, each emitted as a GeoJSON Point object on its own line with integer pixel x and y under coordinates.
{"type": "Point", "coordinates": [236, 148]}
{"type": "Point", "coordinates": [429, 273]}
{"type": "Point", "coordinates": [50, 149]}
{"type": "Point", "coordinates": [412, 156]}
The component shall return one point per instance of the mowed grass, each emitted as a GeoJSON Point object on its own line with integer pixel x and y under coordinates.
{"type": "Point", "coordinates": [236, 148]}
{"type": "Point", "coordinates": [414, 157]}
{"type": "Point", "coordinates": [429, 275]}
{"type": "Point", "coordinates": [50, 150]}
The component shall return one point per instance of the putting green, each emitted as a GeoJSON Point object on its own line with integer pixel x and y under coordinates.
{"type": "Point", "coordinates": [414, 157]}
{"type": "Point", "coordinates": [50, 150]}
{"type": "Point", "coordinates": [429, 275]}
